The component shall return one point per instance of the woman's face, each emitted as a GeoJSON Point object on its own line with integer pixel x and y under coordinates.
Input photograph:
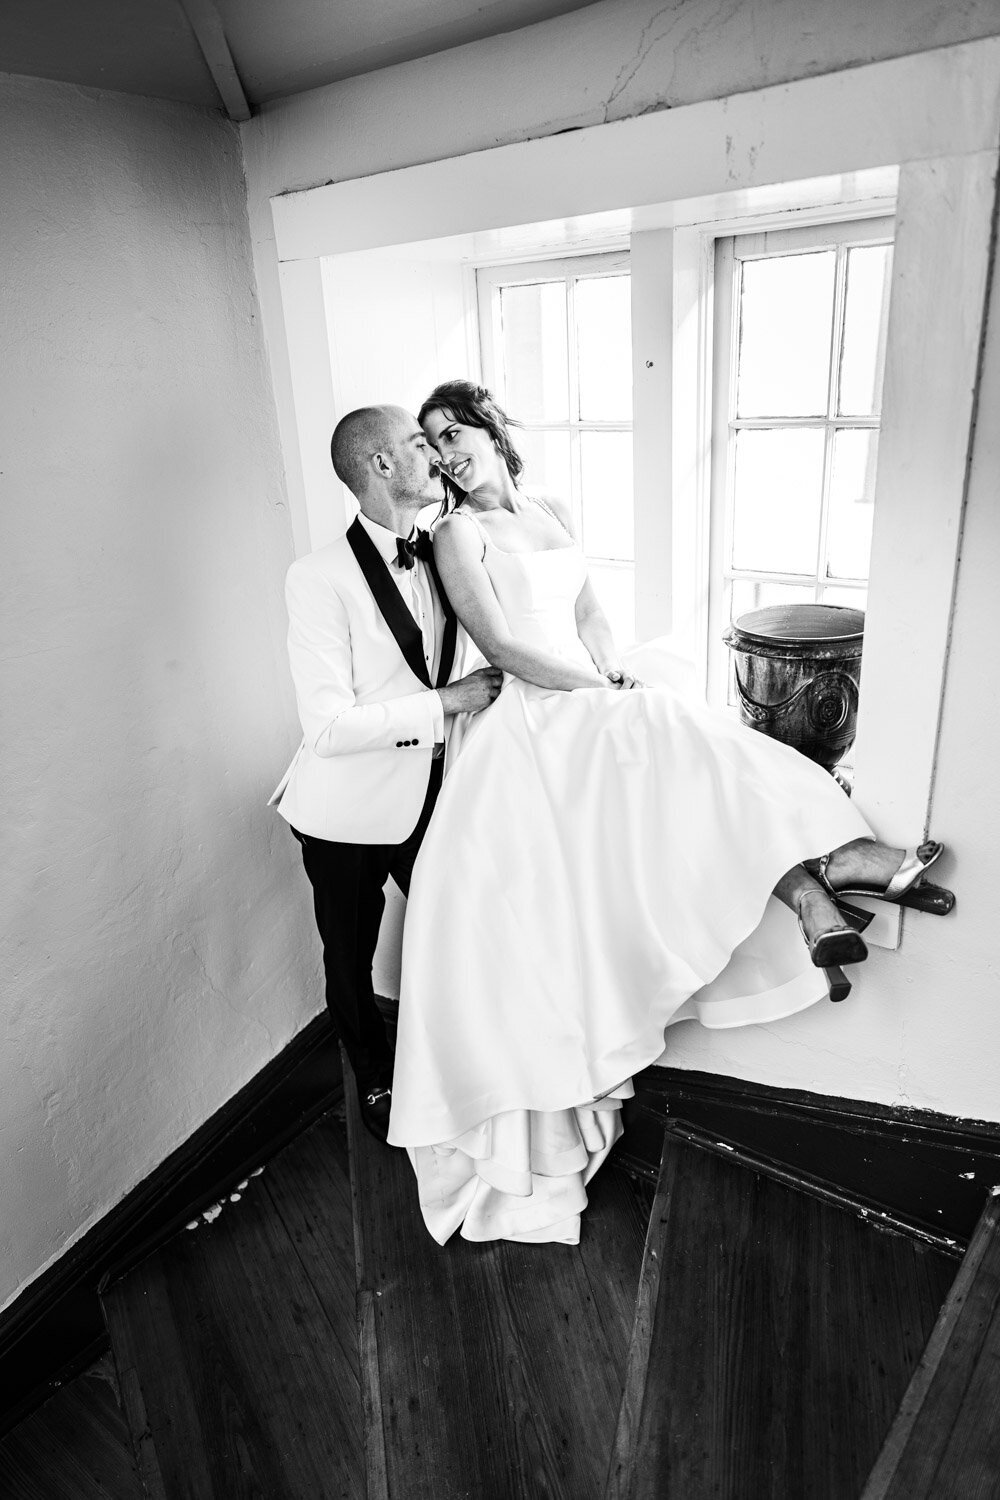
{"type": "Point", "coordinates": [467, 453]}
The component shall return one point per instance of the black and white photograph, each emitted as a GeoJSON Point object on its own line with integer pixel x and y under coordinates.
{"type": "Point", "coordinates": [500, 538]}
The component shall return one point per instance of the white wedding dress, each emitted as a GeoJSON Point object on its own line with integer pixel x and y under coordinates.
{"type": "Point", "coordinates": [599, 866]}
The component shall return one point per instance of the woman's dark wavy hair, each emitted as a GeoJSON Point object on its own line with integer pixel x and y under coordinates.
{"type": "Point", "coordinates": [474, 406]}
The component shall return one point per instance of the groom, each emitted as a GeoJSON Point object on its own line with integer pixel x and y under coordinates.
{"type": "Point", "coordinates": [374, 647]}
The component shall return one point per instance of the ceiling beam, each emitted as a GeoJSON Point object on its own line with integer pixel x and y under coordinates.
{"type": "Point", "coordinates": [207, 26]}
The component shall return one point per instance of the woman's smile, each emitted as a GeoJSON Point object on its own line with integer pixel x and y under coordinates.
{"type": "Point", "coordinates": [468, 454]}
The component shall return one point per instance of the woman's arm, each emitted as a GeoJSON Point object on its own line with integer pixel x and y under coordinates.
{"type": "Point", "coordinates": [458, 552]}
{"type": "Point", "coordinates": [591, 622]}
{"type": "Point", "coordinates": [594, 631]}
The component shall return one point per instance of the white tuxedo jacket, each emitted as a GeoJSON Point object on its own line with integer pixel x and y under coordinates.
{"type": "Point", "coordinates": [369, 722]}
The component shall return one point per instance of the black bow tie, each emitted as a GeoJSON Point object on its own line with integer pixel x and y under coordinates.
{"type": "Point", "coordinates": [419, 545]}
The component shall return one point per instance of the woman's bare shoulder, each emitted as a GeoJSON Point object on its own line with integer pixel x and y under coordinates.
{"type": "Point", "coordinates": [457, 530]}
{"type": "Point", "coordinates": [556, 505]}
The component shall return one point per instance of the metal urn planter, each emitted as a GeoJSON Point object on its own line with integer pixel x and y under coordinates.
{"type": "Point", "coordinates": [797, 668]}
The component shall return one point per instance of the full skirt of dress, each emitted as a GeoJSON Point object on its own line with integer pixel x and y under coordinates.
{"type": "Point", "coordinates": [599, 866]}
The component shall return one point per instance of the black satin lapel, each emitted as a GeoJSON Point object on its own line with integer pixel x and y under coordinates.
{"type": "Point", "coordinates": [404, 627]}
{"type": "Point", "coordinates": [450, 635]}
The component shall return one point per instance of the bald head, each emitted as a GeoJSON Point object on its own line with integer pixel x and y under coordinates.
{"type": "Point", "coordinates": [384, 458]}
{"type": "Point", "coordinates": [359, 436]}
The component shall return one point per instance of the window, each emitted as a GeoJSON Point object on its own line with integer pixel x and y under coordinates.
{"type": "Point", "coordinates": [557, 352]}
{"type": "Point", "coordinates": [800, 337]}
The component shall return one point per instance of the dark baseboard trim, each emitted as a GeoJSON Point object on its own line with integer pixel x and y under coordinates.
{"type": "Point", "coordinates": [55, 1328]}
{"type": "Point", "coordinates": [913, 1171]}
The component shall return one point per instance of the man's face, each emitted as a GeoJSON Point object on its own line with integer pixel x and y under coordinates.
{"type": "Point", "coordinates": [416, 474]}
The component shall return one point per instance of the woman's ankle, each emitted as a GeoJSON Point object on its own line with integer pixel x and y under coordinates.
{"type": "Point", "coordinates": [815, 910]}
{"type": "Point", "coordinates": [864, 860]}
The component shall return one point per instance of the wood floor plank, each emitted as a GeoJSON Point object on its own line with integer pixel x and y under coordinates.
{"type": "Point", "coordinates": [376, 1475]}
{"type": "Point", "coordinates": [621, 1471]}
{"type": "Point", "coordinates": [147, 1339]}
{"type": "Point", "coordinates": [785, 1331]}
{"type": "Point", "coordinates": [311, 1194]}
{"type": "Point", "coordinates": [945, 1441]}
{"type": "Point", "coordinates": [75, 1447]}
{"type": "Point", "coordinates": [611, 1248]}
{"type": "Point", "coordinates": [423, 1412]}
{"type": "Point", "coordinates": [233, 1337]}
{"type": "Point", "coordinates": [500, 1365]}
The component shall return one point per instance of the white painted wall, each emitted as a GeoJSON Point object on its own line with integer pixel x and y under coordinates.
{"type": "Point", "coordinates": [923, 1024]}
{"type": "Point", "coordinates": [609, 61]}
{"type": "Point", "coordinates": [157, 940]}
{"type": "Point", "coordinates": [395, 325]}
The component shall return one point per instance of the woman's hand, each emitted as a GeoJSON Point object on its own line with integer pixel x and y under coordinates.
{"type": "Point", "coordinates": [622, 680]}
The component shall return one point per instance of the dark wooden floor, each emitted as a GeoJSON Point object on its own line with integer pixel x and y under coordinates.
{"type": "Point", "coordinates": [236, 1344]}
{"type": "Point", "coordinates": [945, 1441]}
{"type": "Point", "coordinates": [493, 1371]}
{"type": "Point", "coordinates": [75, 1447]}
{"type": "Point", "coordinates": [782, 1333]}
{"type": "Point", "coordinates": [314, 1342]}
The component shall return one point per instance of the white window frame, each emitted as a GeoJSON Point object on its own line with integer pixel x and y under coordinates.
{"type": "Point", "coordinates": [490, 282]}
{"type": "Point", "coordinates": [730, 251]}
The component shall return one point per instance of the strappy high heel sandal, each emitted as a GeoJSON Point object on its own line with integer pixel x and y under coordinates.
{"type": "Point", "coordinates": [906, 888]}
{"type": "Point", "coordinates": [832, 948]}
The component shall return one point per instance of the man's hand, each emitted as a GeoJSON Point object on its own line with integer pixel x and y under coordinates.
{"type": "Point", "coordinates": [470, 694]}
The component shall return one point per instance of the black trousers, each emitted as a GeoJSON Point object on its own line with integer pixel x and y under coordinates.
{"type": "Point", "coordinates": [348, 881]}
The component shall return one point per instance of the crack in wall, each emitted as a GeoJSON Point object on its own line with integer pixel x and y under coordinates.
{"type": "Point", "coordinates": [627, 71]}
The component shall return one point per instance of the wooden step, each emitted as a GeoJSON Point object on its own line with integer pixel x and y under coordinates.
{"type": "Point", "coordinates": [774, 1336]}
{"type": "Point", "coordinates": [489, 1371]}
{"type": "Point", "coordinates": [74, 1447]}
{"type": "Point", "coordinates": [945, 1441]}
{"type": "Point", "coordinates": [236, 1344]}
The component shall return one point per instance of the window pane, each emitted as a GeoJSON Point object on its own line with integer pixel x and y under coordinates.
{"type": "Point", "coordinates": [606, 489]}
{"type": "Point", "coordinates": [546, 461]}
{"type": "Point", "coordinates": [535, 361]}
{"type": "Point", "coordinates": [853, 598]}
{"type": "Point", "coordinates": [786, 315]}
{"type": "Point", "coordinates": [615, 588]}
{"type": "Point", "coordinates": [852, 504]}
{"type": "Point", "coordinates": [604, 348]}
{"type": "Point", "coordinates": [748, 594]}
{"type": "Point", "coordinates": [865, 313]}
{"type": "Point", "coordinates": [777, 491]}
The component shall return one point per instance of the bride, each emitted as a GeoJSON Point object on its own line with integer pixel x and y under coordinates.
{"type": "Point", "coordinates": [606, 859]}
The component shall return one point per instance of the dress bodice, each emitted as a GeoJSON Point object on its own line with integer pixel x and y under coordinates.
{"type": "Point", "coordinates": [537, 592]}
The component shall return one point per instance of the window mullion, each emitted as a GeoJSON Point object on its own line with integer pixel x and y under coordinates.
{"type": "Point", "coordinates": [732, 379]}
{"type": "Point", "coordinates": [499, 374]}
{"type": "Point", "coordinates": [837, 341]}
{"type": "Point", "coordinates": [824, 512]}
{"type": "Point", "coordinates": [833, 396]}
{"type": "Point", "coordinates": [576, 483]}
{"type": "Point", "coordinates": [765, 575]}
{"type": "Point", "coordinates": [819, 420]}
